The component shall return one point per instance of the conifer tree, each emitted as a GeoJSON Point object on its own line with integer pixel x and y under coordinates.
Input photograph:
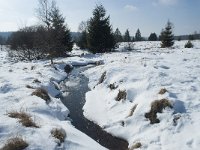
{"type": "Point", "coordinates": [127, 37]}
{"type": "Point", "coordinates": [55, 38]}
{"type": "Point", "coordinates": [61, 41]}
{"type": "Point", "coordinates": [138, 36]}
{"type": "Point", "coordinates": [133, 39]}
{"type": "Point", "coordinates": [153, 37]}
{"type": "Point", "coordinates": [118, 36]}
{"type": "Point", "coordinates": [167, 37]}
{"type": "Point", "coordinates": [100, 36]}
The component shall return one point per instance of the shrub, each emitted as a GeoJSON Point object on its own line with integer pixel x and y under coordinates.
{"type": "Point", "coordinates": [68, 68]}
{"type": "Point", "coordinates": [162, 91]}
{"type": "Point", "coordinates": [24, 118]}
{"type": "Point", "coordinates": [189, 44]}
{"type": "Point", "coordinates": [157, 107]}
{"type": "Point", "coordinates": [15, 144]}
{"type": "Point", "coordinates": [23, 45]}
{"type": "Point", "coordinates": [121, 95]}
{"type": "Point", "coordinates": [42, 93]}
{"type": "Point", "coordinates": [59, 134]}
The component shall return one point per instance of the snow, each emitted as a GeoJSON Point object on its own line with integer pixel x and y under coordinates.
{"type": "Point", "coordinates": [142, 73]}
{"type": "Point", "coordinates": [15, 96]}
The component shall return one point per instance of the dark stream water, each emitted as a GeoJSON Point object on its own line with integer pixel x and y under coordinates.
{"type": "Point", "coordinates": [75, 100]}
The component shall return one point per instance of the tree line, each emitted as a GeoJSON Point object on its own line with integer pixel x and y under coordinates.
{"type": "Point", "coordinates": [52, 38]}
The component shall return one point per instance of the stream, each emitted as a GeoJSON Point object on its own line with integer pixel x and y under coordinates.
{"type": "Point", "coordinates": [76, 85]}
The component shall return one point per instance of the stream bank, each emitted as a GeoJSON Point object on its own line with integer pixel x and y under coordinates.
{"type": "Point", "coordinates": [75, 87]}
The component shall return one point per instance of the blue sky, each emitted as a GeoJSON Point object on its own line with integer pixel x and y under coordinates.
{"type": "Point", "coordinates": [147, 15]}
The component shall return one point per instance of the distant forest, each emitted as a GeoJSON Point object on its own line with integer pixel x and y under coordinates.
{"type": "Point", "coordinates": [75, 35]}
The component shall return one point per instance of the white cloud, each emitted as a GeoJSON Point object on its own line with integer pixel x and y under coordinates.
{"type": "Point", "coordinates": [130, 8]}
{"type": "Point", "coordinates": [165, 2]}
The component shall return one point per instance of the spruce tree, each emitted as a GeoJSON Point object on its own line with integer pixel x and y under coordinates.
{"type": "Point", "coordinates": [118, 36]}
{"type": "Point", "coordinates": [167, 37]}
{"type": "Point", "coordinates": [133, 39]}
{"type": "Point", "coordinates": [138, 36]}
{"type": "Point", "coordinates": [100, 37]}
{"type": "Point", "coordinates": [61, 40]}
{"type": "Point", "coordinates": [153, 37]}
{"type": "Point", "coordinates": [127, 37]}
{"type": "Point", "coordinates": [54, 37]}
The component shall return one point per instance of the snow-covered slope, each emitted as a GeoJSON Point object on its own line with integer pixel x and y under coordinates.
{"type": "Point", "coordinates": [142, 73]}
{"type": "Point", "coordinates": [16, 97]}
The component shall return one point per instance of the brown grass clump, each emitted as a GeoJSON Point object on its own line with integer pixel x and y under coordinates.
{"type": "Point", "coordinates": [136, 146]}
{"type": "Point", "coordinates": [15, 144]}
{"type": "Point", "coordinates": [102, 78]}
{"type": "Point", "coordinates": [42, 93]}
{"type": "Point", "coordinates": [32, 67]}
{"type": "Point", "coordinates": [175, 120]}
{"type": "Point", "coordinates": [36, 81]}
{"type": "Point", "coordinates": [98, 63]}
{"type": "Point", "coordinates": [113, 86]}
{"type": "Point", "coordinates": [24, 118]}
{"type": "Point", "coordinates": [132, 110]}
{"type": "Point", "coordinates": [29, 87]}
{"type": "Point", "coordinates": [162, 91]}
{"type": "Point", "coordinates": [157, 107]}
{"type": "Point", "coordinates": [59, 134]}
{"type": "Point", "coordinates": [121, 95]}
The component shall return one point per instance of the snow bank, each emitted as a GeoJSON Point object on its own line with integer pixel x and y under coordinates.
{"type": "Point", "coordinates": [15, 96]}
{"type": "Point", "coordinates": [142, 73]}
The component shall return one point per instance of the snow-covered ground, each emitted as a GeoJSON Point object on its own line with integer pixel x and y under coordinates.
{"type": "Point", "coordinates": [15, 96]}
{"type": "Point", "coordinates": [142, 73]}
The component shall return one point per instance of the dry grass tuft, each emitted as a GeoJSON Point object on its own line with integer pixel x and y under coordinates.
{"type": "Point", "coordinates": [157, 107]}
{"type": "Point", "coordinates": [24, 118]}
{"type": "Point", "coordinates": [29, 87]}
{"type": "Point", "coordinates": [36, 81]}
{"type": "Point", "coordinates": [136, 146]}
{"type": "Point", "coordinates": [32, 67]}
{"type": "Point", "coordinates": [42, 93]}
{"type": "Point", "coordinates": [98, 63]}
{"type": "Point", "coordinates": [162, 91]}
{"type": "Point", "coordinates": [102, 78]}
{"type": "Point", "coordinates": [132, 110]}
{"type": "Point", "coordinates": [175, 120]}
{"type": "Point", "coordinates": [15, 144]}
{"type": "Point", "coordinates": [113, 86]}
{"type": "Point", "coordinates": [59, 134]}
{"type": "Point", "coordinates": [121, 95]}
